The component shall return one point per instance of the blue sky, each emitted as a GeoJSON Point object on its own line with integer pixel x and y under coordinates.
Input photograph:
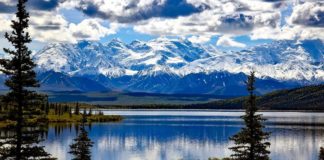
{"type": "Point", "coordinates": [227, 24]}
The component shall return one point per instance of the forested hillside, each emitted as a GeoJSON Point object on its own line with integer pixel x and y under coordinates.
{"type": "Point", "coordinates": [305, 98]}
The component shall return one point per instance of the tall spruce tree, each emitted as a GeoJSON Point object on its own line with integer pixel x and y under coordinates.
{"type": "Point", "coordinates": [47, 108]}
{"type": "Point", "coordinates": [80, 149]}
{"type": "Point", "coordinates": [77, 109]}
{"type": "Point", "coordinates": [25, 111]}
{"type": "Point", "coordinates": [70, 112]}
{"type": "Point", "coordinates": [321, 155]}
{"type": "Point", "coordinates": [250, 141]}
{"type": "Point", "coordinates": [90, 112]}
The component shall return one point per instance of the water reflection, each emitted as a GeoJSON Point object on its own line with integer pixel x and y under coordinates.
{"type": "Point", "coordinates": [156, 137]}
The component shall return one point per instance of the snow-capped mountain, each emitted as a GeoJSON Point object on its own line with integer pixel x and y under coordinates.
{"type": "Point", "coordinates": [116, 58]}
{"type": "Point", "coordinates": [281, 60]}
{"type": "Point", "coordinates": [179, 66]}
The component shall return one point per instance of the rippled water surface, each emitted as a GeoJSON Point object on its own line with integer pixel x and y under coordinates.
{"type": "Point", "coordinates": [190, 135]}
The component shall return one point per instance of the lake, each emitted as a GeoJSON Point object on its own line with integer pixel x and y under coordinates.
{"type": "Point", "coordinates": [190, 135]}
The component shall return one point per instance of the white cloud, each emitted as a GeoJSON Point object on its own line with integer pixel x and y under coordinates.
{"type": "Point", "coordinates": [5, 22]}
{"type": "Point", "coordinates": [5, 1]}
{"type": "Point", "coordinates": [10, 2]}
{"type": "Point", "coordinates": [308, 14]}
{"type": "Point", "coordinates": [132, 11]}
{"type": "Point", "coordinates": [288, 33]}
{"type": "Point", "coordinates": [271, 20]}
{"type": "Point", "coordinates": [50, 27]}
{"type": "Point", "coordinates": [69, 4]}
{"type": "Point", "coordinates": [229, 7]}
{"type": "Point", "coordinates": [209, 22]}
{"type": "Point", "coordinates": [227, 41]}
{"type": "Point", "coordinates": [259, 19]}
{"type": "Point", "coordinates": [259, 5]}
{"type": "Point", "coordinates": [91, 29]}
{"type": "Point", "coordinates": [199, 39]}
{"type": "Point", "coordinates": [53, 27]}
{"type": "Point", "coordinates": [225, 17]}
{"type": "Point", "coordinates": [305, 22]}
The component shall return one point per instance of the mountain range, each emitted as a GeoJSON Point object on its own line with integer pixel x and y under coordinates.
{"type": "Point", "coordinates": [176, 66]}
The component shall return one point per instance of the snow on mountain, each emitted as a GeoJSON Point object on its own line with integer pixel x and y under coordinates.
{"type": "Point", "coordinates": [157, 70]}
{"type": "Point", "coordinates": [282, 60]}
{"type": "Point", "coordinates": [179, 66]}
{"type": "Point", "coordinates": [116, 58]}
{"type": "Point", "coordinates": [58, 57]}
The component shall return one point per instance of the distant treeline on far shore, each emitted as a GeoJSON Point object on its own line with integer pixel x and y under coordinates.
{"type": "Point", "coordinates": [310, 98]}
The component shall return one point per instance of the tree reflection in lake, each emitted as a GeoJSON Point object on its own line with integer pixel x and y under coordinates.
{"type": "Point", "coordinates": [186, 137]}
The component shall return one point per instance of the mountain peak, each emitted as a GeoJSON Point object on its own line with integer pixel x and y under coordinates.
{"type": "Point", "coordinates": [157, 70]}
{"type": "Point", "coordinates": [281, 60]}
{"type": "Point", "coordinates": [116, 40]}
{"type": "Point", "coordinates": [137, 42]}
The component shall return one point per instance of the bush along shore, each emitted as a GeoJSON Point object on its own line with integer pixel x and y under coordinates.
{"type": "Point", "coordinates": [63, 113]}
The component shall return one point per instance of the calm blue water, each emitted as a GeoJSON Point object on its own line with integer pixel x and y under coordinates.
{"type": "Point", "coordinates": [190, 135]}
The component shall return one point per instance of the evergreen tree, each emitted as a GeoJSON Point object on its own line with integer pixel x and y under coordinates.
{"type": "Point", "coordinates": [90, 112]}
{"type": "Point", "coordinates": [250, 141]}
{"type": "Point", "coordinates": [56, 109]}
{"type": "Point", "coordinates": [321, 156]}
{"type": "Point", "coordinates": [51, 106]}
{"type": "Point", "coordinates": [59, 109]}
{"type": "Point", "coordinates": [70, 112]}
{"type": "Point", "coordinates": [66, 108]}
{"type": "Point", "coordinates": [43, 107]}
{"type": "Point", "coordinates": [77, 109]}
{"type": "Point", "coordinates": [80, 149]}
{"type": "Point", "coordinates": [47, 107]}
{"type": "Point", "coordinates": [22, 143]}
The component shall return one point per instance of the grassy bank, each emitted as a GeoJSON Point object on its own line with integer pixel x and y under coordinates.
{"type": "Point", "coordinates": [6, 123]}
{"type": "Point", "coordinates": [66, 117]}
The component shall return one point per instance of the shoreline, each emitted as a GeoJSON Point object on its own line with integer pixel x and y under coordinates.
{"type": "Point", "coordinates": [211, 110]}
{"type": "Point", "coordinates": [65, 119]}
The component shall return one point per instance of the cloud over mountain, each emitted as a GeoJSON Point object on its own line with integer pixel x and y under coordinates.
{"type": "Point", "coordinates": [198, 20]}
{"type": "Point", "coordinates": [229, 42]}
{"type": "Point", "coordinates": [136, 10]}
{"type": "Point", "coordinates": [308, 14]}
{"type": "Point", "coordinates": [9, 6]}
